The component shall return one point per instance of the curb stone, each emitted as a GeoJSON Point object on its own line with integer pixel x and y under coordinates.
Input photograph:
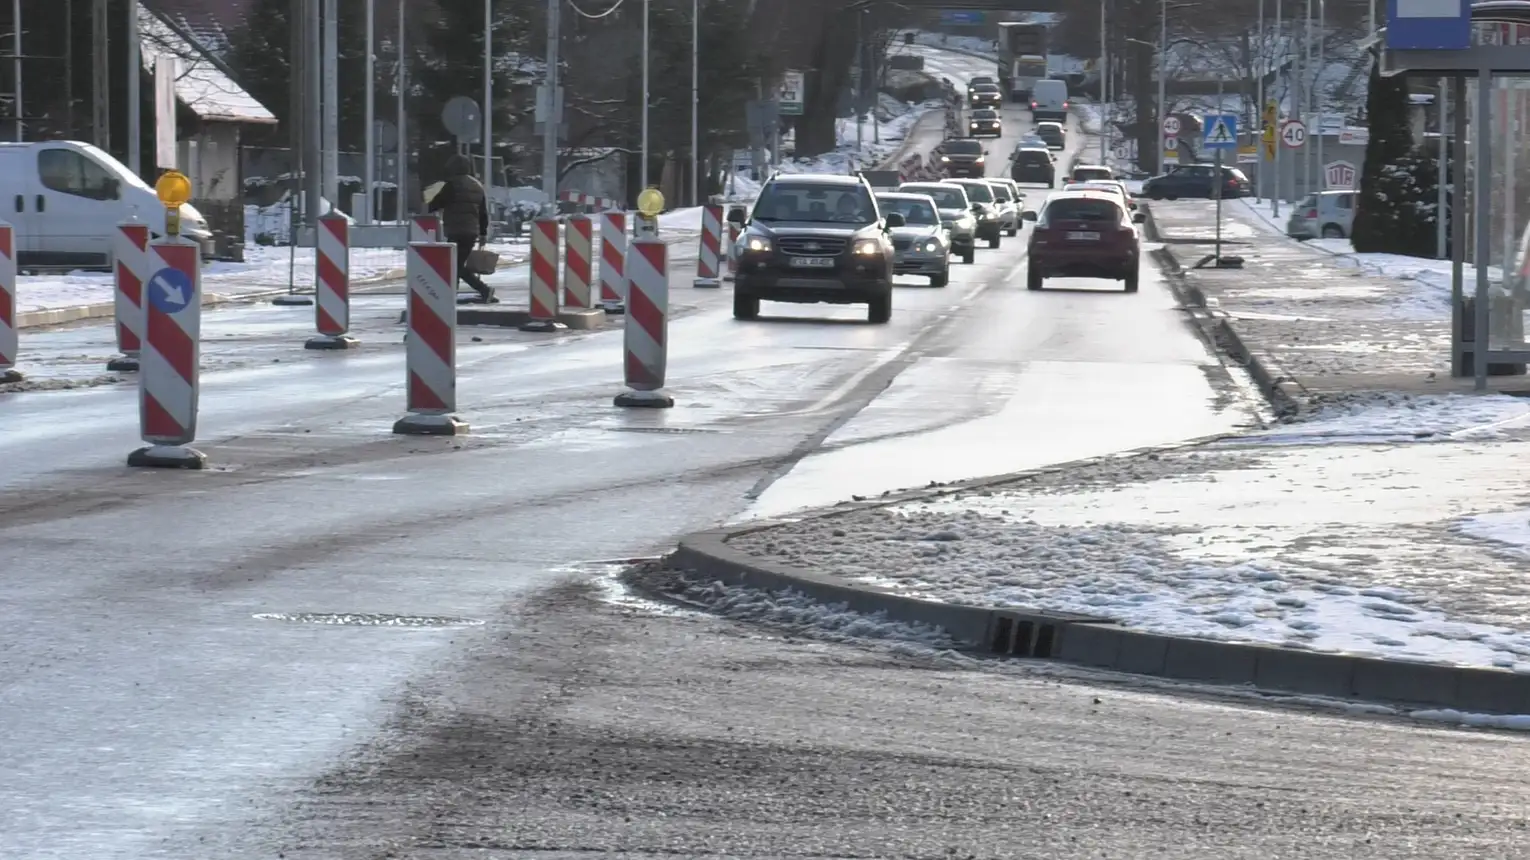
{"type": "Point", "coordinates": [1101, 643]}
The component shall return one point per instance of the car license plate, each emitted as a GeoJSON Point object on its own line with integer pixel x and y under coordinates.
{"type": "Point", "coordinates": [1084, 237]}
{"type": "Point", "coordinates": [813, 262]}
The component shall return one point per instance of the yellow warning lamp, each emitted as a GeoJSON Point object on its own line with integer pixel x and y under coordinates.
{"type": "Point", "coordinates": [173, 190]}
{"type": "Point", "coordinates": [650, 202]}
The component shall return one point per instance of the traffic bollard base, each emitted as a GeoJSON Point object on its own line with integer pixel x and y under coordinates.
{"type": "Point", "coordinates": [706, 283]}
{"type": "Point", "coordinates": [542, 326]}
{"type": "Point", "coordinates": [167, 457]}
{"type": "Point", "coordinates": [414, 424]}
{"type": "Point", "coordinates": [123, 364]}
{"type": "Point", "coordinates": [292, 300]}
{"type": "Point", "coordinates": [332, 341]}
{"type": "Point", "coordinates": [613, 307]}
{"type": "Point", "coordinates": [644, 400]}
{"type": "Point", "coordinates": [9, 376]}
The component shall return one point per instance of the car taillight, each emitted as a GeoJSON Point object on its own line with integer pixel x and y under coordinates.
{"type": "Point", "coordinates": [1065, 105]}
{"type": "Point", "coordinates": [1033, 105]}
{"type": "Point", "coordinates": [1311, 213]}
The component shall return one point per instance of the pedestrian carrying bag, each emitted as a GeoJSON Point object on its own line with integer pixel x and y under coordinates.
{"type": "Point", "coordinates": [482, 261]}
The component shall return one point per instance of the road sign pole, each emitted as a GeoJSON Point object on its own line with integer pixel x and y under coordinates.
{"type": "Point", "coordinates": [1217, 190]}
{"type": "Point", "coordinates": [1281, 65]}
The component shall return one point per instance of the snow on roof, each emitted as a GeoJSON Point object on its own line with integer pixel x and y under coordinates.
{"type": "Point", "coordinates": [201, 85]}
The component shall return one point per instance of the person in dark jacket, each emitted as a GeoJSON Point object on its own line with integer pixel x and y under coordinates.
{"type": "Point", "coordinates": [464, 208]}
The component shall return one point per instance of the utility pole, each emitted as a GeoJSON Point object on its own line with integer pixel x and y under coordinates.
{"type": "Point", "coordinates": [401, 150]}
{"type": "Point", "coordinates": [1442, 201]}
{"type": "Point", "coordinates": [16, 67]}
{"type": "Point", "coordinates": [1306, 95]}
{"type": "Point", "coordinates": [1261, 67]}
{"type": "Point", "coordinates": [313, 147]}
{"type": "Point", "coordinates": [860, 86]}
{"type": "Point", "coordinates": [134, 79]}
{"type": "Point", "coordinates": [643, 168]}
{"type": "Point", "coordinates": [551, 117]}
{"type": "Point", "coordinates": [369, 171]}
{"type": "Point", "coordinates": [331, 102]}
{"type": "Point", "coordinates": [696, 102]}
{"type": "Point", "coordinates": [1104, 85]}
{"type": "Point", "coordinates": [488, 95]}
{"type": "Point", "coordinates": [69, 69]}
{"type": "Point", "coordinates": [100, 65]}
{"type": "Point", "coordinates": [297, 97]}
{"type": "Point", "coordinates": [1320, 110]}
{"type": "Point", "coordinates": [1163, 74]}
{"type": "Point", "coordinates": [1280, 67]}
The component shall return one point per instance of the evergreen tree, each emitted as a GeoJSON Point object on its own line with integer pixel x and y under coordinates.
{"type": "Point", "coordinates": [1387, 219]}
{"type": "Point", "coordinates": [260, 55]}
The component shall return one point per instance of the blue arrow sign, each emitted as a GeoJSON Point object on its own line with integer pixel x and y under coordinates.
{"type": "Point", "coordinates": [961, 16]}
{"type": "Point", "coordinates": [170, 290]}
{"type": "Point", "coordinates": [1221, 131]}
{"type": "Point", "coordinates": [1429, 25]}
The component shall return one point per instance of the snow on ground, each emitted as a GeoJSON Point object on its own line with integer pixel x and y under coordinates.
{"type": "Point", "coordinates": [1406, 551]}
{"type": "Point", "coordinates": [982, 46]}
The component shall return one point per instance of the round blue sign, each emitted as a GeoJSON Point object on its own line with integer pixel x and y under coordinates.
{"type": "Point", "coordinates": [170, 290]}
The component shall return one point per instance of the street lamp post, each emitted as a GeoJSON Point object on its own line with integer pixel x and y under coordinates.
{"type": "Point", "coordinates": [643, 167]}
{"type": "Point", "coordinates": [1258, 63]}
{"type": "Point", "coordinates": [1104, 86]}
{"type": "Point", "coordinates": [695, 102]}
{"type": "Point", "coordinates": [1163, 75]}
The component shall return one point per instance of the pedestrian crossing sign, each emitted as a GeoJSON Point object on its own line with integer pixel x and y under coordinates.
{"type": "Point", "coordinates": [1221, 132]}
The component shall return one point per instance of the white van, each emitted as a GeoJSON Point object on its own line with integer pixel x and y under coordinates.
{"type": "Point", "coordinates": [66, 198]}
{"type": "Point", "coordinates": [1049, 101]}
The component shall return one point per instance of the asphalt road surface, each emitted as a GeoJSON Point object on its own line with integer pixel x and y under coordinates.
{"type": "Point", "coordinates": [339, 643]}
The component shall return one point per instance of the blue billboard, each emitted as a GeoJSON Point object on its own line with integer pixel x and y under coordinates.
{"type": "Point", "coordinates": [961, 16]}
{"type": "Point", "coordinates": [1429, 25]}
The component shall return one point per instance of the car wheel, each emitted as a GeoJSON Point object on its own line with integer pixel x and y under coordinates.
{"type": "Point", "coordinates": [1131, 281]}
{"type": "Point", "coordinates": [879, 308]}
{"type": "Point", "coordinates": [1014, 231]}
{"type": "Point", "coordinates": [745, 307]}
{"type": "Point", "coordinates": [1033, 279]}
{"type": "Point", "coordinates": [941, 279]}
{"type": "Point", "coordinates": [1332, 231]}
{"type": "Point", "coordinates": [993, 241]}
{"type": "Point", "coordinates": [969, 255]}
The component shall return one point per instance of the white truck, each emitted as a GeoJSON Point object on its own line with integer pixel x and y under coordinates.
{"type": "Point", "coordinates": [1022, 58]}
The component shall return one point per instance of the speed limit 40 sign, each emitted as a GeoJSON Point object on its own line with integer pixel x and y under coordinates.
{"type": "Point", "coordinates": [1293, 133]}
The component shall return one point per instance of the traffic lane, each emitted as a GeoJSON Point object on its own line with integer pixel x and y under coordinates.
{"type": "Point", "coordinates": [1020, 380]}
{"type": "Point", "coordinates": [624, 731]}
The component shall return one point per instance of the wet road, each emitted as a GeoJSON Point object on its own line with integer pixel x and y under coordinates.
{"type": "Point", "coordinates": [153, 692]}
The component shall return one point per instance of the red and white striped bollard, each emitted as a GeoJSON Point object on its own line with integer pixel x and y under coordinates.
{"type": "Point", "coordinates": [613, 251]}
{"type": "Point", "coordinates": [9, 342]}
{"type": "Point", "coordinates": [709, 256]}
{"type": "Point", "coordinates": [130, 264]}
{"type": "Point", "coordinates": [544, 277]}
{"type": "Point", "coordinates": [645, 347]}
{"type": "Point", "coordinates": [577, 244]}
{"type": "Point", "coordinates": [430, 354]}
{"type": "Point", "coordinates": [332, 285]}
{"type": "Point", "coordinates": [170, 364]}
{"type": "Point", "coordinates": [424, 228]}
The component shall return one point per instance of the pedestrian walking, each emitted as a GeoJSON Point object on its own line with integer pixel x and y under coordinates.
{"type": "Point", "coordinates": [464, 209]}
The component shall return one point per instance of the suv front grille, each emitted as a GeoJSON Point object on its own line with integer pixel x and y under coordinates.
{"type": "Point", "coordinates": [801, 246]}
{"type": "Point", "coordinates": [902, 244]}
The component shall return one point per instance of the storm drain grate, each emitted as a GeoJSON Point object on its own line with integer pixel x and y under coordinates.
{"type": "Point", "coordinates": [363, 619]}
{"type": "Point", "coordinates": [660, 430]}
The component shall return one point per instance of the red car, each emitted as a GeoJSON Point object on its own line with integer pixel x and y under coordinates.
{"type": "Point", "coordinates": [1084, 234]}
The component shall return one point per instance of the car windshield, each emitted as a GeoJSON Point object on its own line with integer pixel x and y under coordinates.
{"type": "Point", "coordinates": [985, 114]}
{"type": "Point", "coordinates": [1087, 173]}
{"type": "Point", "coordinates": [1031, 156]}
{"type": "Point", "coordinates": [801, 201]}
{"type": "Point", "coordinates": [963, 147]}
{"type": "Point", "coordinates": [1001, 193]}
{"type": "Point", "coordinates": [979, 81]}
{"type": "Point", "coordinates": [987, 88]}
{"type": "Point", "coordinates": [913, 211]}
{"type": "Point", "coordinates": [1083, 209]}
{"type": "Point", "coordinates": [946, 197]}
{"type": "Point", "coordinates": [978, 192]}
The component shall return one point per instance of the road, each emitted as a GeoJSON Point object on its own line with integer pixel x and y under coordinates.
{"type": "Point", "coordinates": [335, 637]}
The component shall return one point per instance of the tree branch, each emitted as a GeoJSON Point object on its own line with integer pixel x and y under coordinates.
{"type": "Point", "coordinates": [577, 163]}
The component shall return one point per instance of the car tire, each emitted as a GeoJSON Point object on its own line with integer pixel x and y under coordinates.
{"type": "Point", "coordinates": [1131, 281]}
{"type": "Point", "coordinates": [969, 255]}
{"type": "Point", "coordinates": [1333, 231]}
{"type": "Point", "coordinates": [941, 279]}
{"type": "Point", "coordinates": [1014, 231]}
{"type": "Point", "coordinates": [993, 241]}
{"type": "Point", "coordinates": [879, 308]}
{"type": "Point", "coordinates": [1033, 278]}
{"type": "Point", "coordinates": [745, 307]}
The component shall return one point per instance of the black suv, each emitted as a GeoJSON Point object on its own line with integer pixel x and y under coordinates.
{"type": "Point", "coordinates": [1033, 164]}
{"type": "Point", "coordinates": [815, 238]}
{"type": "Point", "coordinates": [961, 157]}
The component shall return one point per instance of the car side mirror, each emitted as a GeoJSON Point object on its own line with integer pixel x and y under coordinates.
{"type": "Point", "coordinates": [896, 219]}
{"type": "Point", "coordinates": [736, 216]}
{"type": "Point", "coordinates": [1139, 217]}
{"type": "Point", "coordinates": [977, 207]}
{"type": "Point", "coordinates": [1028, 215]}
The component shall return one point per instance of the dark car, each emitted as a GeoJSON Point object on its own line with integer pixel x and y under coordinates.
{"type": "Point", "coordinates": [984, 208]}
{"type": "Point", "coordinates": [961, 156]}
{"type": "Point", "coordinates": [985, 122]}
{"type": "Point", "coordinates": [815, 238]}
{"type": "Point", "coordinates": [978, 81]}
{"type": "Point", "coordinates": [985, 95]}
{"type": "Point", "coordinates": [1196, 180]}
{"type": "Point", "coordinates": [1053, 133]}
{"type": "Point", "coordinates": [1083, 234]}
{"type": "Point", "coordinates": [1033, 164]}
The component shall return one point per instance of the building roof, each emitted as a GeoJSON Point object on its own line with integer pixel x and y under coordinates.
{"type": "Point", "coordinates": [201, 84]}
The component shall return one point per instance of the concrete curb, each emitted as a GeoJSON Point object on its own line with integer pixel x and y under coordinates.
{"type": "Point", "coordinates": [1100, 643]}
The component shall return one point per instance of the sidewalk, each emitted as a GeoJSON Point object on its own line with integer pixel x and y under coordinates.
{"type": "Point", "coordinates": [1311, 324]}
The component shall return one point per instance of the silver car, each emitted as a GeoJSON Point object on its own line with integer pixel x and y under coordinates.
{"type": "Point", "coordinates": [1007, 206]}
{"type": "Point", "coordinates": [922, 246]}
{"type": "Point", "coordinates": [955, 210]}
{"type": "Point", "coordinates": [1325, 215]}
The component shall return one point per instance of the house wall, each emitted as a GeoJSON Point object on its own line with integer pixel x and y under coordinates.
{"type": "Point", "coordinates": [210, 159]}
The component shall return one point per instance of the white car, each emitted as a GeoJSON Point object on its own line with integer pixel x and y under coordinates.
{"type": "Point", "coordinates": [1112, 186]}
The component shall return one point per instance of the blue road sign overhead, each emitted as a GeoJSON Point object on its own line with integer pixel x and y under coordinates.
{"type": "Point", "coordinates": [961, 16]}
{"type": "Point", "coordinates": [1221, 131]}
{"type": "Point", "coordinates": [170, 290]}
{"type": "Point", "coordinates": [1429, 25]}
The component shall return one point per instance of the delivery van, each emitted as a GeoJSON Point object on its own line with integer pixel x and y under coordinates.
{"type": "Point", "coordinates": [1049, 101]}
{"type": "Point", "coordinates": [65, 199]}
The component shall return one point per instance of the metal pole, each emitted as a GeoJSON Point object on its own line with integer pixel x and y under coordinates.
{"type": "Point", "coordinates": [17, 105]}
{"type": "Point", "coordinates": [1104, 81]}
{"type": "Point", "coordinates": [1458, 229]}
{"type": "Point", "coordinates": [401, 149]}
{"type": "Point", "coordinates": [1483, 203]}
{"type": "Point", "coordinates": [1306, 96]}
{"type": "Point", "coordinates": [69, 69]}
{"type": "Point", "coordinates": [551, 118]}
{"type": "Point", "coordinates": [1321, 111]}
{"type": "Point", "coordinates": [1216, 186]}
{"type": "Point", "coordinates": [313, 81]}
{"type": "Point", "coordinates": [369, 171]}
{"type": "Point", "coordinates": [1507, 117]}
{"type": "Point", "coordinates": [1280, 37]}
{"type": "Point", "coordinates": [695, 102]}
{"type": "Point", "coordinates": [642, 168]}
{"type": "Point", "coordinates": [860, 87]}
{"type": "Point", "coordinates": [1260, 69]}
{"type": "Point", "coordinates": [101, 76]}
{"type": "Point", "coordinates": [1441, 197]}
{"type": "Point", "coordinates": [134, 78]}
{"type": "Point", "coordinates": [331, 96]}
{"type": "Point", "coordinates": [1163, 73]}
{"type": "Point", "coordinates": [488, 95]}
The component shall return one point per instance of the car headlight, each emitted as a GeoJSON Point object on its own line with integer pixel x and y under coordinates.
{"type": "Point", "coordinates": [868, 248]}
{"type": "Point", "coordinates": [945, 158]}
{"type": "Point", "coordinates": [930, 246]}
{"type": "Point", "coordinates": [757, 244]}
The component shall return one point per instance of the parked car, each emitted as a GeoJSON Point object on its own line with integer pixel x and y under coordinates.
{"type": "Point", "coordinates": [1327, 215]}
{"type": "Point", "coordinates": [961, 156]}
{"type": "Point", "coordinates": [956, 214]}
{"type": "Point", "coordinates": [1008, 204]}
{"type": "Point", "coordinates": [1033, 164]}
{"type": "Point", "coordinates": [985, 95]}
{"type": "Point", "coordinates": [1195, 180]}
{"type": "Point", "coordinates": [984, 207]}
{"type": "Point", "coordinates": [1053, 133]}
{"type": "Point", "coordinates": [815, 238]}
{"type": "Point", "coordinates": [1084, 234]}
{"type": "Point", "coordinates": [922, 246]}
{"type": "Point", "coordinates": [985, 122]}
